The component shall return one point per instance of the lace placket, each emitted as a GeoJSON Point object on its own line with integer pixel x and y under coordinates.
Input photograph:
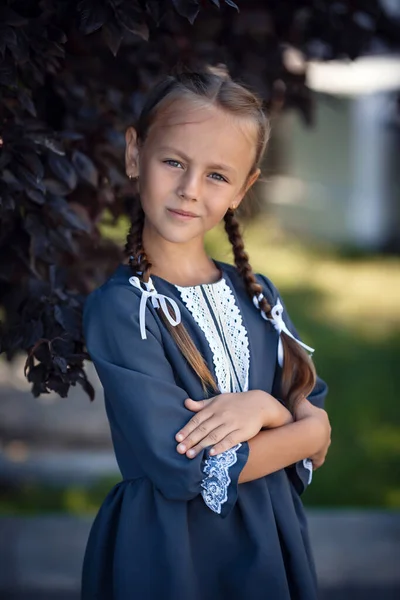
{"type": "Point", "coordinates": [231, 357]}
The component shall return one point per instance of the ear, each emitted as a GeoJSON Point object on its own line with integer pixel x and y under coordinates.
{"type": "Point", "coordinates": [131, 153]}
{"type": "Point", "coordinates": [249, 183]}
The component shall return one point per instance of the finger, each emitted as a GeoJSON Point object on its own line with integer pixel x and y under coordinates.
{"type": "Point", "coordinates": [199, 433]}
{"type": "Point", "coordinates": [216, 435]}
{"type": "Point", "coordinates": [227, 443]}
{"type": "Point", "coordinates": [197, 405]}
{"type": "Point", "coordinates": [194, 422]}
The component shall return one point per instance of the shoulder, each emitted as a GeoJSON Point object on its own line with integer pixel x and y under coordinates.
{"type": "Point", "coordinates": [114, 293]}
{"type": "Point", "coordinates": [115, 303]}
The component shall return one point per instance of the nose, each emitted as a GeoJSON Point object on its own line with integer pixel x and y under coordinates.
{"type": "Point", "coordinates": [189, 186]}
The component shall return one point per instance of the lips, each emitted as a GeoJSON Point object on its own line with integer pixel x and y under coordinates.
{"type": "Point", "coordinates": [182, 213]}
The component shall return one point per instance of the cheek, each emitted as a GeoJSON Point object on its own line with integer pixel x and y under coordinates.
{"type": "Point", "coordinates": [153, 184]}
{"type": "Point", "coordinates": [218, 203]}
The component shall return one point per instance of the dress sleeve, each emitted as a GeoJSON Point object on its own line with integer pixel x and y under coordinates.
{"type": "Point", "coordinates": [301, 472]}
{"type": "Point", "coordinates": [143, 401]}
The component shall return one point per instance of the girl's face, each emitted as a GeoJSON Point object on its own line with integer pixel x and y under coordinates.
{"type": "Point", "coordinates": [193, 166]}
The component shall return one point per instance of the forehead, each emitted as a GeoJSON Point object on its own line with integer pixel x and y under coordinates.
{"type": "Point", "coordinates": [206, 133]}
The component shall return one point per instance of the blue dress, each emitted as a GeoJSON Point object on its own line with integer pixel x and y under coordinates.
{"type": "Point", "coordinates": [177, 528]}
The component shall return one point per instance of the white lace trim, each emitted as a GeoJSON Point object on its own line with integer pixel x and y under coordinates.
{"type": "Point", "coordinates": [307, 464]}
{"type": "Point", "coordinates": [231, 358]}
{"type": "Point", "coordinates": [217, 481]}
{"type": "Point", "coordinates": [227, 314]}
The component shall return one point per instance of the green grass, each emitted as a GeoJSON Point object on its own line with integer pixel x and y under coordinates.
{"type": "Point", "coordinates": [33, 498]}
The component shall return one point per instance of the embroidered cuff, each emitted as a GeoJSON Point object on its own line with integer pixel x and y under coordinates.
{"type": "Point", "coordinates": [220, 486]}
{"type": "Point", "coordinates": [300, 474]}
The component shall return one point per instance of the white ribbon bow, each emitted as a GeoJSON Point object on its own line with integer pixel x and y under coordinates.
{"type": "Point", "coordinates": [280, 325]}
{"type": "Point", "coordinates": [157, 300]}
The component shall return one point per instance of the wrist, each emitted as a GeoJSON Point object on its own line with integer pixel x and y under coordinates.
{"type": "Point", "coordinates": [275, 414]}
{"type": "Point", "coordinates": [319, 428]}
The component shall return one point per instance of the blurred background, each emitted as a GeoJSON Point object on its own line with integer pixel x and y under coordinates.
{"type": "Point", "coordinates": [323, 224]}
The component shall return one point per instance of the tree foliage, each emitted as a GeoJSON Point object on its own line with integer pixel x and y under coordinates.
{"type": "Point", "coordinates": [73, 75]}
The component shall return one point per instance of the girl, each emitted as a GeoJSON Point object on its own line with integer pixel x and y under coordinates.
{"type": "Point", "coordinates": [204, 376]}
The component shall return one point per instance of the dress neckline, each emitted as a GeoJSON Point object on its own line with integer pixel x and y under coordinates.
{"type": "Point", "coordinates": [217, 283]}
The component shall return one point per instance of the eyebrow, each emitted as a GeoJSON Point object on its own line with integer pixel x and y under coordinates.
{"type": "Point", "coordinates": [217, 166]}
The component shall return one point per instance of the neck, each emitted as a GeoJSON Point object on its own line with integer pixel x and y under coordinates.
{"type": "Point", "coordinates": [183, 264]}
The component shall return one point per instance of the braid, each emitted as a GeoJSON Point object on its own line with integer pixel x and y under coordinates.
{"type": "Point", "coordinates": [138, 260]}
{"type": "Point", "coordinates": [141, 266]}
{"type": "Point", "coordinates": [298, 375]}
{"type": "Point", "coordinates": [232, 228]}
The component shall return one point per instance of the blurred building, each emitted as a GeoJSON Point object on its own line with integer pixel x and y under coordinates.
{"type": "Point", "coordinates": [340, 180]}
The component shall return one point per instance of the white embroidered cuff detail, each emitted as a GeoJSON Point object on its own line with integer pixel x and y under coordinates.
{"type": "Point", "coordinates": [307, 463]}
{"type": "Point", "coordinates": [216, 484]}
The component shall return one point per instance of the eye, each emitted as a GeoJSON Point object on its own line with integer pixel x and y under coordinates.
{"type": "Point", "coordinates": [218, 177]}
{"type": "Point", "coordinates": [173, 163]}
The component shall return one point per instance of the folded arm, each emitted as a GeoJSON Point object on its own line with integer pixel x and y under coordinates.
{"type": "Point", "coordinates": [275, 449]}
{"type": "Point", "coordinates": [144, 404]}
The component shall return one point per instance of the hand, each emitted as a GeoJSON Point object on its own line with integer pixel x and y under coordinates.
{"type": "Point", "coordinates": [306, 410]}
{"type": "Point", "coordinates": [228, 419]}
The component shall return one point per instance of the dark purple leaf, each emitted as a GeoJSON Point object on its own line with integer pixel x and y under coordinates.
{"type": "Point", "coordinates": [69, 320]}
{"type": "Point", "coordinates": [63, 169]}
{"type": "Point", "coordinates": [56, 187]}
{"type": "Point", "coordinates": [62, 239]}
{"type": "Point", "coordinates": [231, 3]}
{"type": "Point", "coordinates": [155, 9]}
{"type": "Point", "coordinates": [187, 8]}
{"type": "Point", "coordinates": [26, 102]}
{"type": "Point", "coordinates": [27, 177]}
{"type": "Point", "coordinates": [8, 74]}
{"type": "Point", "coordinates": [31, 161]}
{"type": "Point", "coordinates": [87, 386]}
{"type": "Point", "coordinates": [70, 135]}
{"type": "Point", "coordinates": [64, 213]}
{"type": "Point", "coordinates": [43, 139]}
{"type": "Point", "coordinates": [56, 34]}
{"type": "Point", "coordinates": [112, 36]}
{"type": "Point", "coordinates": [10, 17]}
{"type": "Point", "coordinates": [92, 15]}
{"type": "Point", "coordinates": [32, 333]}
{"type": "Point", "coordinates": [132, 19]}
{"type": "Point", "coordinates": [20, 50]}
{"type": "Point", "coordinates": [85, 168]}
{"type": "Point", "coordinates": [36, 196]}
{"type": "Point", "coordinates": [216, 3]}
{"type": "Point", "coordinates": [42, 353]}
{"type": "Point", "coordinates": [8, 177]}
{"type": "Point", "coordinates": [7, 36]}
{"type": "Point", "coordinates": [58, 385]}
{"type": "Point", "coordinates": [61, 363]}
{"type": "Point", "coordinates": [55, 49]}
{"type": "Point", "coordinates": [5, 158]}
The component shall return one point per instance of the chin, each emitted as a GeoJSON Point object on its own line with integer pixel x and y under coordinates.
{"type": "Point", "coordinates": [178, 237]}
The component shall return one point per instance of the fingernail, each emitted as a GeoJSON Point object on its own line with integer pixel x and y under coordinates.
{"type": "Point", "coordinates": [212, 451]}
{"type": "Point", "coordinates": [181, 447]}
{"type": "Point", "coordinates": [179, 437]}
{"type": "Point", "coordinates": [191, 453]}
